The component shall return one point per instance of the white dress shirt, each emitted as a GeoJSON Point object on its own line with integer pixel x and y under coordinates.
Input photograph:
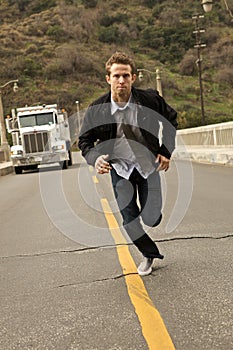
{"type": "Point", "coordinates": [124, 160]}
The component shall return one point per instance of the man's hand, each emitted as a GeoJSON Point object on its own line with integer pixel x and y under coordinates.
{"type": "Point", "coordinates": [101, 165]}
{"type": "Point", "coordinates": [163, 163]}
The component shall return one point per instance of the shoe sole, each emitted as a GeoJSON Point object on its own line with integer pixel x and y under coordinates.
{"type": "Point", "coordinates": [145, 273]}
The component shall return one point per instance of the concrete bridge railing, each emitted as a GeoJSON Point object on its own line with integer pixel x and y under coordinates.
{"type": "Point", "coordinates": [207, 136]}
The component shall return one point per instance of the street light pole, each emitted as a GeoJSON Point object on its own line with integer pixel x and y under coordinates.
{"type": "Point", "coordinates": [208, 4]}
{"type": "Point", "coordinates": [207, 7]}
{"type": "Point", "coordinates": [4, 142]}
{"type": "Point", "coordinates": [78, 115]}
{"type": "Point", "coordinates": [199, 46]}
{"type": "Point", "coordinates": [158, 82]}
{"type": "Point", "coordinates": [158, 79]}
{"type": "Point", "coordinates": [2, 123]}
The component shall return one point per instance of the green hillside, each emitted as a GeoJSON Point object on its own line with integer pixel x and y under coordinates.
{"type": "Point", "coordinates": [57, 50]}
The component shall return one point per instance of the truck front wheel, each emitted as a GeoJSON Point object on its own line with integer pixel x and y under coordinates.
{"type": "Point", "coordinates": [64, 164]}
{"type": "Point", "coordinates": [70, 162]}
{"type": "Point", "coordinates": [18, 170]}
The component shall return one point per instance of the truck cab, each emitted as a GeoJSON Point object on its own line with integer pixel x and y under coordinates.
{"type": "Point", "coordinates": [40, 135]}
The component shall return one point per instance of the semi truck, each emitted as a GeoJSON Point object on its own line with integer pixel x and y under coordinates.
{"type": "Point", "coordinates": [40, 136]}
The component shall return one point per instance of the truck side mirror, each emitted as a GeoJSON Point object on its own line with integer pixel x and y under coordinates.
{"type": "Point", "coordinates": [9, 124]}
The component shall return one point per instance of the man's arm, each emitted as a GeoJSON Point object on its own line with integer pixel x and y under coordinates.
{"type": "Point", "coordinates": [169, 123]}
{"type": "Point", "coordinates": [101, 165]}
{"type": "Point", "coordinates": [163, 162]}
{"type": "Point", "coordinates": [87, 140]}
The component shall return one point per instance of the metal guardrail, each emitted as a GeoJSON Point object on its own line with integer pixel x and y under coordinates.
{"type": "Point", "coordinates": [208, 135]}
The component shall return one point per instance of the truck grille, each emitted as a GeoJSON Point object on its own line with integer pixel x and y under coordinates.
{"type": "Point", "coordinates": [36, 142]}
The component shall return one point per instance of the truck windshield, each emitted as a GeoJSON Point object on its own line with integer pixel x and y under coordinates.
{"type": "Point", "coordinates": [36, 119]}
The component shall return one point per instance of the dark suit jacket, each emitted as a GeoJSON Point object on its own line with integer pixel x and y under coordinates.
{"type": "Point", "coordinates": [99, 128]}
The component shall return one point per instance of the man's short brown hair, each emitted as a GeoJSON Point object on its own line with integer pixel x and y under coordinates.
{"type": "Point", "coordinates": [120, 58]}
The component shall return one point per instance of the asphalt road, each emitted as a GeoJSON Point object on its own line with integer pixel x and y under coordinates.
{"type": "Point", "coordinates": [61, 283]}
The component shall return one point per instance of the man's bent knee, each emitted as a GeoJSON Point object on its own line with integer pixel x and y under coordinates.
{"type": "Point", "coordinates": [152, 222]}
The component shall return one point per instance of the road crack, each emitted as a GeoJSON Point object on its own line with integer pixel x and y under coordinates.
{"type": "Point", "coordinates": [86, 249]}
{"type": "Point", "coordinates": [113, 278]}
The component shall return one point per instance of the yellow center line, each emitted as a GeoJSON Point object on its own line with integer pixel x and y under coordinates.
{"type": "Point", "coordinates": [95, 179]}
{"type": "Point", "coordinates": [153, 327]}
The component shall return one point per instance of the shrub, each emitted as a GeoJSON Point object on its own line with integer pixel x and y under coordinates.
{"type": "Point", "coordinates": [187, 65]}
{"type": "Point", "coordinates": [41, 5]}
{"type": "Point", "coordinates": [107, 20]}
{"type": "Point", "coordinates": [31, 48]}
{"type": "Point", "coordinates": [189, 117]}
{"type": "Point", "coordinates": [108, 35]}
{"type": "Point", "coordinates": [89, 3]}
{"type": "Point", "coordinates": [150, 3]}
{"type": "Point", "coordinates": [22, 4]}
{"type": "Point", "coordinates": [170, 42]}
{"type": "Point", "coordinates": [51, 71]}
{"type": "Point", "coordinates": [56, 32]}
{"type": "Point", "coordinates": [31, 67]}
{"type": "Point", "coordinates": [225, 75]}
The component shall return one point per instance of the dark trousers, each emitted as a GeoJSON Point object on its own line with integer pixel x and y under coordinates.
{"type": "Point", "coordinates": [139, 198]}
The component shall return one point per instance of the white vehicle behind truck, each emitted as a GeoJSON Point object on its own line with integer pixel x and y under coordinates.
{"type": "Point", "coordinates": [40, 135]}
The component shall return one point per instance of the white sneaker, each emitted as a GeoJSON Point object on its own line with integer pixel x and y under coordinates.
{"type": "Point", "coordinates": [145, 268]}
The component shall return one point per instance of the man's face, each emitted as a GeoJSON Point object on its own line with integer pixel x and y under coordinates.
{"type": "Point", "coordinates": [120, 80]}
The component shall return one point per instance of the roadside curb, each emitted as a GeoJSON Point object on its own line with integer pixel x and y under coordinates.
{"type": "Point", "coordinates": [219, 156]}
{"type": "Point", "coordinates": [6, 168]}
